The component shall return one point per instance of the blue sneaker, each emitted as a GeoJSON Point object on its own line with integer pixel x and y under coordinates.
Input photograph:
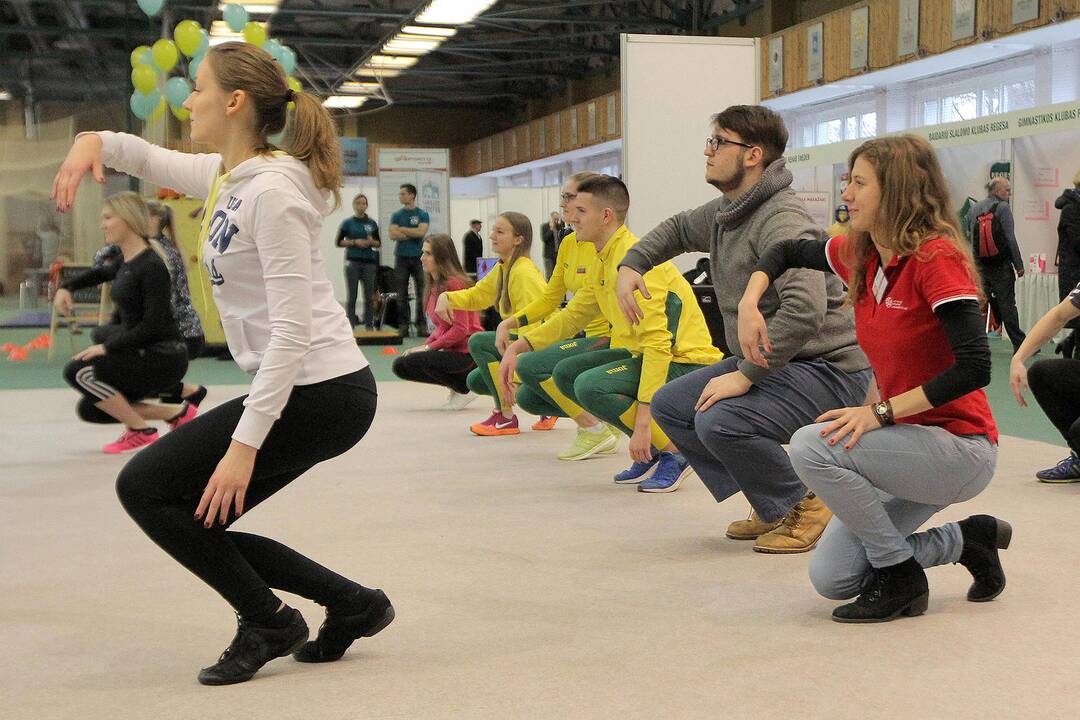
{"type": "Point", "coordinates": [669, 473]}
{"type": "Point", "coordinates": [1066, 471]}
{"type": "Point", "coordinates": [636, 472]}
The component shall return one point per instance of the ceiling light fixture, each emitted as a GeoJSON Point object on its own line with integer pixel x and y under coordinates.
{"type": "Point", "coordinates": [344, 101]}
{"type": "Point", "coordinates": [430, 31]}
{"type": "Point", "coordinates": [452, 12]}
{"type": "Point", "coordinates": [259, 7]}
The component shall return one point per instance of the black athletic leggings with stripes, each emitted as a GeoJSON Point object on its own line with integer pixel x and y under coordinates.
{"type": "Point", "coordinates": [135, 374]}
{"type": "Point", "coordinates": [160, 488]}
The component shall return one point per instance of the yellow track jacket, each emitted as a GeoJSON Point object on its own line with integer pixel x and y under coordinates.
{"type": "Point", "coordinates": [572, 266]}
{"type": "Point", "coordinates": [673, 329]}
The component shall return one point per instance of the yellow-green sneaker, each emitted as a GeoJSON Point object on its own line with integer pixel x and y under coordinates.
{"type": "Point", "coordinates": [586, 444]}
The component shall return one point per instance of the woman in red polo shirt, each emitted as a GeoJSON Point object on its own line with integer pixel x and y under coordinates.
{"type": "Point", "coordinates": [885, 468]}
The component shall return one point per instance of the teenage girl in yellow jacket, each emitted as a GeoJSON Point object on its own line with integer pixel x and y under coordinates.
{"type": "Point", "coordinates": [510, 286]}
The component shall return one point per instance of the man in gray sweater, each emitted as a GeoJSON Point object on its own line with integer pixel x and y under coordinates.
{"type": "Point", "coordinates": [731, 419]}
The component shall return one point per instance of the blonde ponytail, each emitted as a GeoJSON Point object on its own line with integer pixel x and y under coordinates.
{"type": "Point", "coordinates": [315, 142]}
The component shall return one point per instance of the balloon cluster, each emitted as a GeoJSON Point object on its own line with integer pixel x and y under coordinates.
{"type": "Point", "coordinates": [151, 66]}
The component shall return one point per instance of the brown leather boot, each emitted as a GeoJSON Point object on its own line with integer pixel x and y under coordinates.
{"type": "Point", "coordinates": [799, 530]}
{"type": "Point", "coordinates": [750, 528]}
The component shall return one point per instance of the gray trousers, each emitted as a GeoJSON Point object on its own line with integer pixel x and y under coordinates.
{"type": "Point", "coordinates": [881, 491]}
{"type": "Point", "coordinates": [360, 273]}
{"type": "Point", "coordinates": [736, 444]}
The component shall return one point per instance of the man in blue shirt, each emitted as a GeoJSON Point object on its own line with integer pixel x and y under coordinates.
{"type": "Point", "coordinates": [360, 234]}
{"type": "Point", "coordinates": [408, 227]}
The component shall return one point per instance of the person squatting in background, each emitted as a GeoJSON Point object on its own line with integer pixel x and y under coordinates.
{"type": "Point", "coordinates": [443, 359]}
{"type": "Point", "coordinates": [886, 468]}
{"type": "Point", "coordinates": [511, 286]}
{"type": "Point", "coordinates": [163, 230]}
{"type": "Point", "coordinates": [139, 354]}
{"type": "Point", "coordinates": [574, 263]}
{"type": "Point", "coordinates": [312, 397]}
{"type": "Point", "coordinates": [617, 383]}
{"type": "Point", "coordinates": [1055, 385]}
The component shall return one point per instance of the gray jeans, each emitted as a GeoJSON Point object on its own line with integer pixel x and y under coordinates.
{"type": "Point", "coordinates": [881, 491]}
{"type": "Point", "coordinates": [736, 444]}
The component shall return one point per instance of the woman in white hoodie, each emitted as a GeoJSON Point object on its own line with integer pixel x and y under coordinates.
{"type": "Point", "coordinates": [312, 397]}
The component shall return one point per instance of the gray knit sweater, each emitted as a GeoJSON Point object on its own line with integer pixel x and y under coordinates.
{"type": "Point", "coordinates": [804, 309]}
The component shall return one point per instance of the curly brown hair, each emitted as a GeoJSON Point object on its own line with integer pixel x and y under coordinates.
{"type": "Point", "coordinates": [915, 206]}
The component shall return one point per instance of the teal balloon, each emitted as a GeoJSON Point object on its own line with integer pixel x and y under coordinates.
{"type": "Point", "coordinates": [143, 105]}
{"type": "Point", "coordinates": [274, 48]}
{"type": "Point", "coordinates": [193, 65]}
{"type": "Point", "coordinates": [177, 90]}
{"type": "Point", "coordinates": [288, 59]}
{"type": "Point", "coordinates": [278, 139]}
{"type": "Point", "coordinates": [151, 7]}
{"type": "Point", "coordinates": [236, 16]}
{"type": "Point", "coordinates": [205, 44]}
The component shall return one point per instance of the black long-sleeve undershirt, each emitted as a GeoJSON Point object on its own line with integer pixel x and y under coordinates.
{"type": "Point", "coordinates": [960, 319]}
{"type": "Point", "coordinates": [141, 292]}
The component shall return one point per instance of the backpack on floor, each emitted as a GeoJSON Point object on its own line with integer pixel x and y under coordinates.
{"type": "Point", "coordinates": [986, 235]}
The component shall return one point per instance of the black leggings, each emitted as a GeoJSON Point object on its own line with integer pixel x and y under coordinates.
{"type": "Point", "coordinates": [161, 486]}
{"type": "Point", "coordinates": [1056, 386]}
{"type": "Point", "coordinates": [132, 373]}
{"type": "Point", "coordinates": [436, 367]}
{"type": "Point", "coordinates": [175, 394]}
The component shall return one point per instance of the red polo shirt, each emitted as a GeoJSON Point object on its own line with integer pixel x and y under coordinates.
{"type": "Point", "coordinates": [903, 339]}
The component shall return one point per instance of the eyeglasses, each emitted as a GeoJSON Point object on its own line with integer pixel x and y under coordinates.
{"type": "Point", "coordinates": [567, 197]}
{"type": "Point", "coordinates": [713, 142]}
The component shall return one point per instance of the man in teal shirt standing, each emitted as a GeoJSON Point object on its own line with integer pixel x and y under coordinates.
{"type": "Point", "coordinates": [408, 227]}
{"type": "Point", "coordinates": [360, 234]}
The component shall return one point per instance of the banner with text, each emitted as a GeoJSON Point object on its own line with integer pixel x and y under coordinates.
{"type": "Point", "coordinates": [1022, 123]}
{"type": "Point", "coordinates": [428, 169]}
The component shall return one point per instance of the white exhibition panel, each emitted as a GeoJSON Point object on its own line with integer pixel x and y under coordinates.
{"type": "Point", "coordinates": [671, 86]}
{"type": "Point", "coordinates": [529, 201]}
{"type": "Point", "coordinates": [1043, 166]}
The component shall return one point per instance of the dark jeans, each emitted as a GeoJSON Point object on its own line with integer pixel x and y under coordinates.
{"type": "Point", "coordinates": [436, 367]}
{"type": "Point", "coordinates": [736, 444]}
{"type": "Point", "coordinates": [364, 274]}
{"type": "Point", "coordinates": [161, 486]}
{"type": "Point", "coordinates": [999, 286]}
{"type": "Point", "coordinates": [407, 267]}
{"type": "Point", "coordinates": [1056, 387]}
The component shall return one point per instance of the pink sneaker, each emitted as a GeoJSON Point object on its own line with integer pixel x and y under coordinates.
{"type": "Point", "coordinates": [497, 424]}
{"type": "Point", "coordinates": [190, 411]}
{"type": "Point", "coordinates": [131, 440]}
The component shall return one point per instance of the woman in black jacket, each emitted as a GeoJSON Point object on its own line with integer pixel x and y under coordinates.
{"type": "Point", "coordinates": [140, 353]}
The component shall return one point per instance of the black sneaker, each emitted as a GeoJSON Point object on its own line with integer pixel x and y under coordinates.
{"type": "Point", "coordinates": [340, 629]}
{"type": "Point", "coordinates": [896, 590]}
{"type": "Point", "coordinates": [197, 397]}
{"type": "Point", "coordinates": [253, 647]}
{"type": "Point", "coordinates": [984, 535]}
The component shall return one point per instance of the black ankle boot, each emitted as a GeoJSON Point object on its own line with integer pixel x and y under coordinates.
{"type": "Point", "coordinates": [984, 535]}
{"type": "Point", "coordinates": [893, 591]}
{"type": "Point", "coordinates": [343, 626]}
{"type": "Point", "coordinates": [253, 647]}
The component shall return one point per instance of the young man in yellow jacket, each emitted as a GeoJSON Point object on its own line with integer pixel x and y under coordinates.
{"type": "Point", "coordinates": [572, 265]}
{"type": "Point", "coordinates": [617, 384]}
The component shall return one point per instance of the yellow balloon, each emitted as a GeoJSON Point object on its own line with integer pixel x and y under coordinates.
{"type": "Point", "coordinates": [159, 110]}
{"type": "Point", "coordinates": [188, 36]}
{"type": "Point", "coordinates": [165, 54]}
{"type": "Point", "coordinates": [181, 113]}
{"type": "Point", "coordinates": [144, 78]}
{"type": "Point", "coordinates": [140, 56]}
{"type": "Point", "coordinates": [255, 33]}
